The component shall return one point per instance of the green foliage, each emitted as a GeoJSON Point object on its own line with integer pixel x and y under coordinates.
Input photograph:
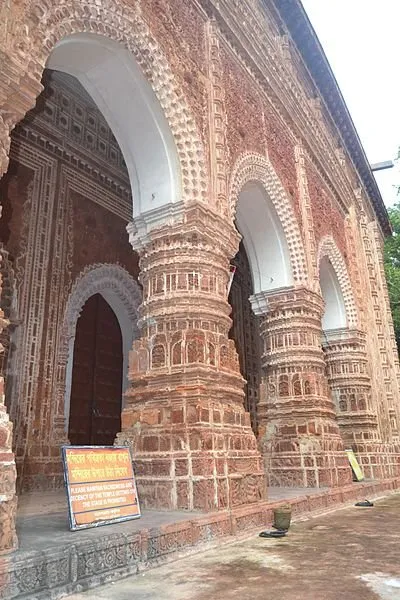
{"type": "Point", "coordinates": [392, 267]}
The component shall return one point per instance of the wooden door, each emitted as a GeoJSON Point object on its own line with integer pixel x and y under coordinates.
{"type": "Point", "coordinates": [96, 390]}
{"type": "Point", "coordinates": [245, 332]}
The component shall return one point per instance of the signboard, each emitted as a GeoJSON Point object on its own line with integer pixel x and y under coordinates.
{"type": "Point", "coordinates": [358, 474]}
{"type": "Point", "coordinates": [100, 485]}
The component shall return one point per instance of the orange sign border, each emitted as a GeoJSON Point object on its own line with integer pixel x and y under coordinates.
{"type": "Point", "coordinates": [74, 526]}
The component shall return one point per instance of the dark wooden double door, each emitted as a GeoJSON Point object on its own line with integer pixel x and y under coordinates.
{"type": "Point", "coordinates": [96, 390]}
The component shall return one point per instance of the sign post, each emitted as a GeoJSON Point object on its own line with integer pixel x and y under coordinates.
{"type": "Point", "coordinates": [355, 467]}
{"type": "Point", "coordinates": [100, 484]}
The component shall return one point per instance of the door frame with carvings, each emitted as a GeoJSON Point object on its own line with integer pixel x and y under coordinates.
{"type": "Point", "coordinates": [122, 293]}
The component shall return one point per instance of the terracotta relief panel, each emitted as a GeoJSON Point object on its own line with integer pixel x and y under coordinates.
{"type": "Point", "coordinates": [180, 30]}
{"type": "Point", "coordinates": [99, 236]}
{"type": "Point", "coordinates": [280, 144]}
{"type": "Point", "coordinates": [326, 216]}
{"type": "Point", "coordinates": [245, 128]}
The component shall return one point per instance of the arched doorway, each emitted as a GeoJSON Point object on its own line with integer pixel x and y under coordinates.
{"type": "Point", "coordinates": [96, 390]}
{"type": "Point", "coordinates": [245, 332]}
{"type": "Point", "coordinates": [262, 266]}
{"type": "Point", "coordinates": [345, 351]}
{"type": "Point", "coordinates": [121, 80]}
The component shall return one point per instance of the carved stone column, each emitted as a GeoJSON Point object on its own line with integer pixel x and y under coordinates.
{"type": "Point", "coordinates": [16, 97]}
{"type": "Point", "coordinates": [8, 474]}
{"type": "Point", "coordinates": [298, 432]}
{"type": "Point", "coordinates": [192, 442]}
{"type": "Point", "coordinates": [5, 142]}
{"type": "Point", "coordinates": [350, 383]}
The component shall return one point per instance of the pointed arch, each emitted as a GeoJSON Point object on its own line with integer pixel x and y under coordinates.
{"type": "Point", "coordinates": [49, 25]}
{"type": "Point", "coordinates": [335, 287]}
{"type": "Point", "coordinates": [121, 292]}
{"type": "Point", "coordinates": [270, 230]}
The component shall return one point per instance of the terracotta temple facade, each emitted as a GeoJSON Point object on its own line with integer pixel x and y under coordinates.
{"type": "Point", "coordinates": [146, 147]}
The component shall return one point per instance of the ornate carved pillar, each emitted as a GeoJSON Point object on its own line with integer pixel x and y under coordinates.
{"type": "Point", "coordinates": [184, 417]}
{"type": "Point", "coordinates": [298, 431]}
{"type": "Point", "coordinates": [5, 142]}
{"type": "Point", "coordinates": [16, 98]}
{"type": "Point", "coordinates": [350, 383]}
{"type": "Point", "coordinates": [8, 473]}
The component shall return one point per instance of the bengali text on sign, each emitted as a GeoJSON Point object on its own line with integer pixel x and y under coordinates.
{"type": "Point", "coordinates": [101, 485]}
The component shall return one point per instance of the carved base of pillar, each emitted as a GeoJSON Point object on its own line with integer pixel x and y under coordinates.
{"type": "Point", "coordinates": [8, 499]}
{"type": "Point", "coordinates": [304, 456]}
{"type": "Point", "coordinates": [359, 427]}
{"type": "Point", "coordinates": [195, 455]}
{"type": "Point", "coordinates": [378, 460]}
{"type": "Point", "coordinates": [8, 536]}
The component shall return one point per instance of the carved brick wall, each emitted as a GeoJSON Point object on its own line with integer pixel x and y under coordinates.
{"type": "Point", "coordinates": [326, 216]}
{"type": "Point", "coordinates": [66, 205]}
{"type": "Point", "coordinates": [180, 28]}
{"type": "Point", "coordinates": [241, 106]}
{"type": "Point", "coordinates": [245, 127]}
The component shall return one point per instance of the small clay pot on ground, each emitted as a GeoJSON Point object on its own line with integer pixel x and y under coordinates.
{"type": "Point", "coordinates": [282, 517]}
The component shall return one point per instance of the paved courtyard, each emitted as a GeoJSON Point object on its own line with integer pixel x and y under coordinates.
{"type": "Point", "coordinates": [350, 554]}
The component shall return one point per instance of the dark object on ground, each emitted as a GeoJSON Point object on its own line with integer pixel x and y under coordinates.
{"type": "Point", "coordinates": [282, 517]}
{"type": "Point", "coordinates": [273, 534]}
{"type": "Point", "coordinates": [364, 503]}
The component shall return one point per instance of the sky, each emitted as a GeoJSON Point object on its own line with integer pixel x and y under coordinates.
{"type": "Point", "coordinates": [360, 40]}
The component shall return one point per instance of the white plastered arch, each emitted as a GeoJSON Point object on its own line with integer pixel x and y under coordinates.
{"type": "Point", "coordinates": [335, 285]}
{"type": "Point", "coordinates": [266, 220]}
{"type": "Point", "coordinates": [122, 293]}
{"type": "Point", "coordinates": [112, 77]}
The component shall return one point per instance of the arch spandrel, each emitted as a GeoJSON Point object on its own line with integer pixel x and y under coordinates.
{"type": "Point", "coordinates": [267, 222]}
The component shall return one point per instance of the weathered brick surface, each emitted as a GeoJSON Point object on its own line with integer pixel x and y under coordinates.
{"type": "Point", "coordinates": [241, 109]}
{"type": "Point", "coordinates": [80, 231]}
{"type": "Point", "coordinates": [188, 353]}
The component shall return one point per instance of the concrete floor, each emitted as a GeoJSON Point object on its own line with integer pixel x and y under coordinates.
{"type": "Point", "coordinates": [48, 503]}
{"type": "Point", "coordinates": [351, 554]}
{"type": "Point", "coordinates": [42, 519]}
